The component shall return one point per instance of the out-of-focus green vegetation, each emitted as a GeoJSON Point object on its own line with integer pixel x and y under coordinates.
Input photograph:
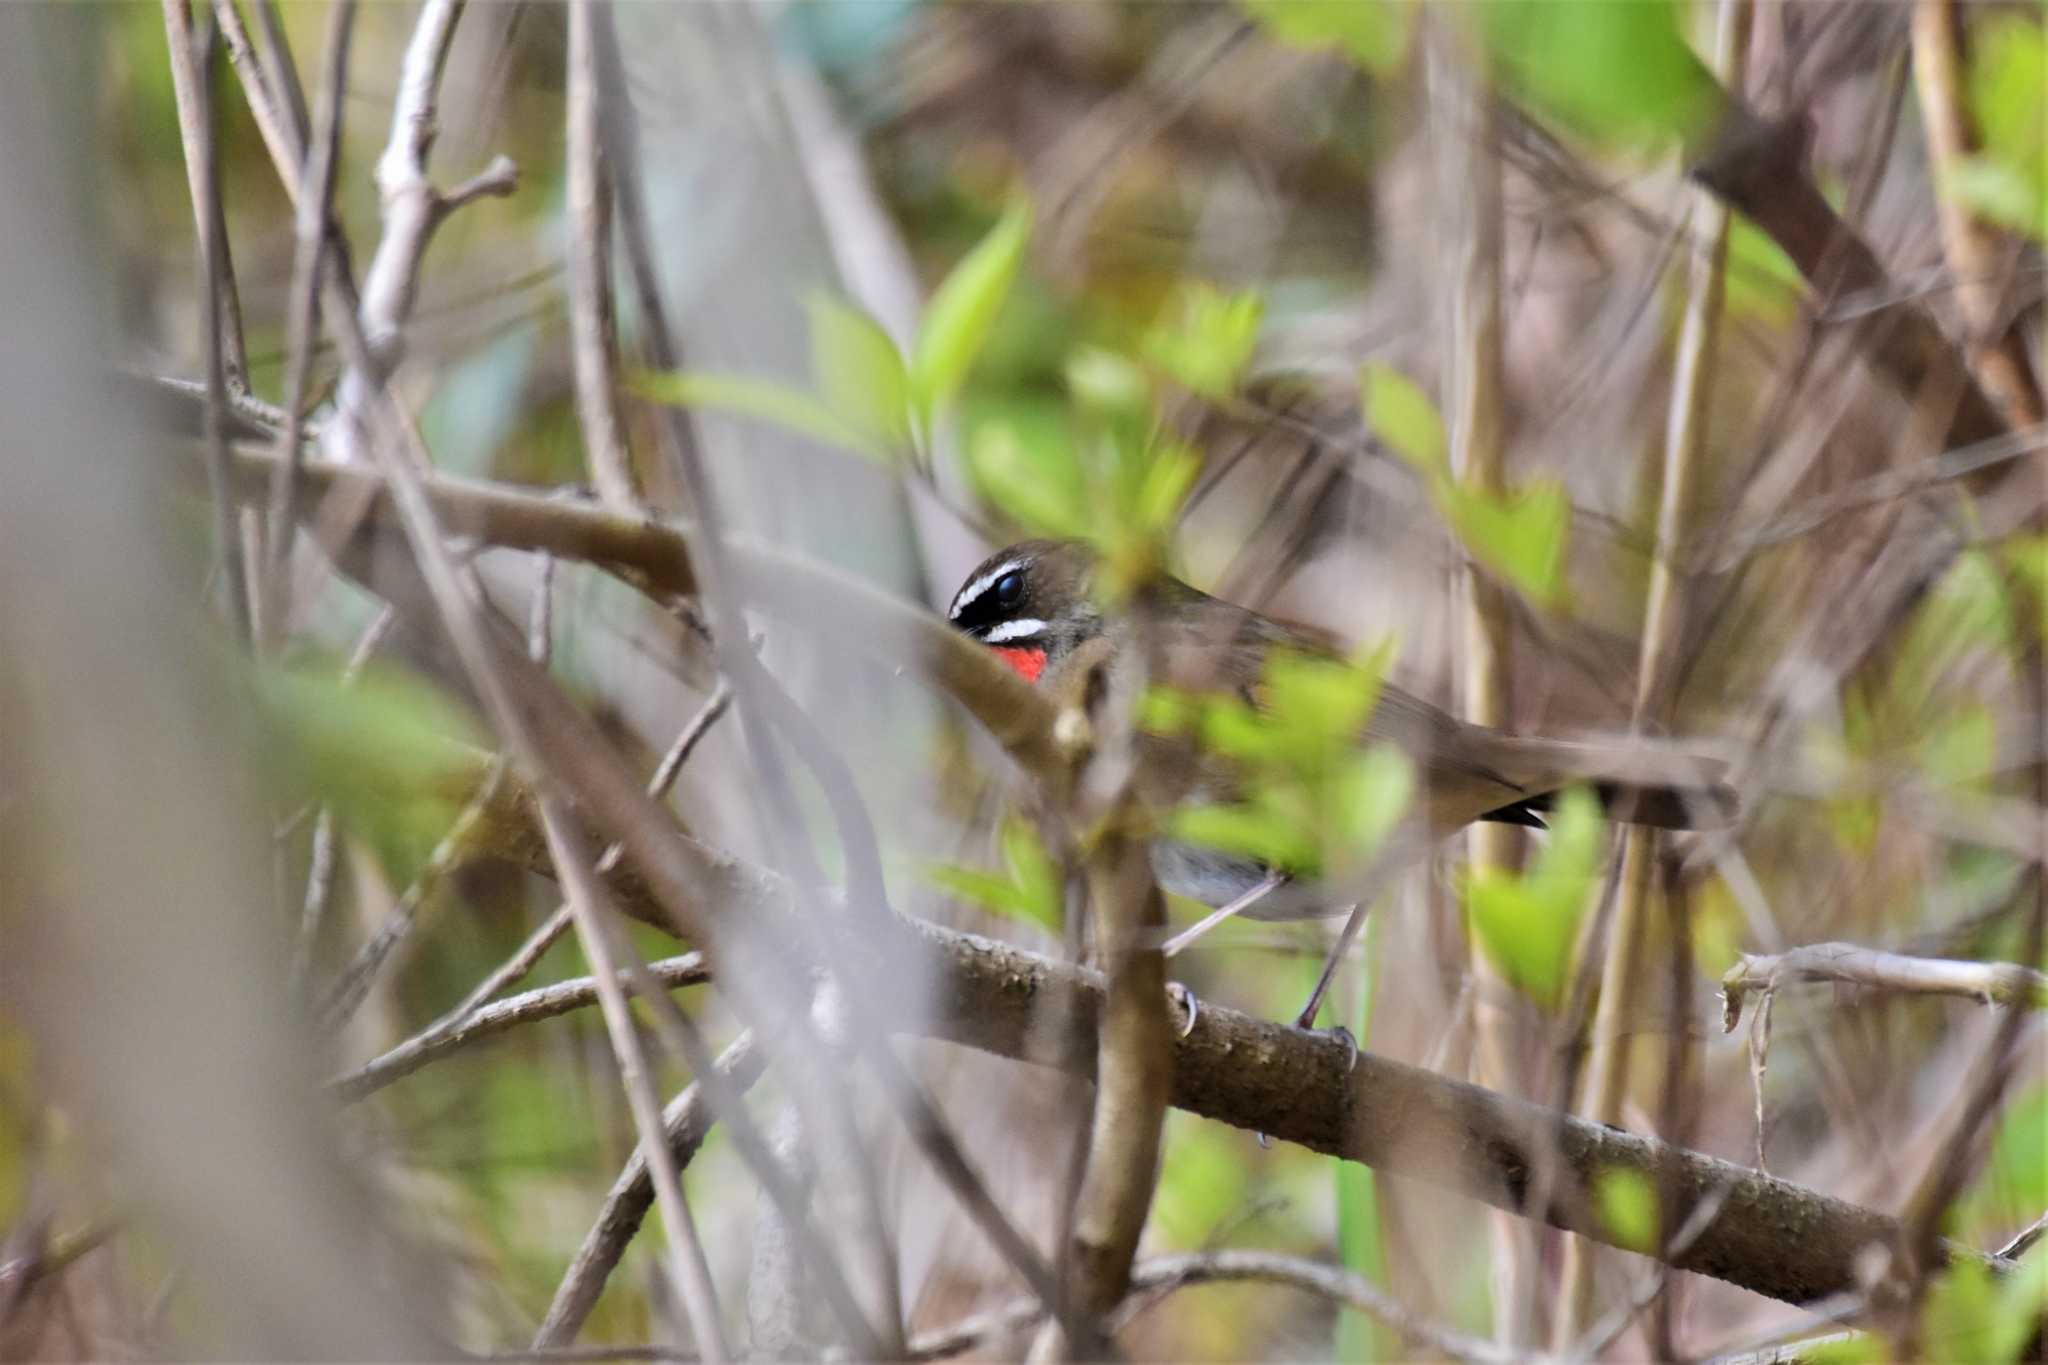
{"type": "Point", "coordinates": [1184, 286]}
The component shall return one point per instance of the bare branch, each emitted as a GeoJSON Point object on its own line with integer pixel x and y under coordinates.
{"type": "Point", "coordinates": [546, 1002]}
{"type": "Point", "coordinates": [219, 309]}
{"type": "Point", "coordinates": [352, 986]}
{"type": "Point", "coordinates": [1977, 256]}
{"type": "Point", "coordinates": [280, 136]}
{"type": "Point", "coordinates": [687, 1122]}
{"type": "Point", "coordinates": [587, 901]}
{"type": "Point", "coordinates": [315, 201]}
{"type": "Point", "coordinates": [593, 338]}
{"type": "Point", "coordinates": [187, 84]}
{"type": "Point", "coordinates": [1154, 1279]}
{"type": "Point", "coordinates": [1990, 983]}
{"type": "Point", "coordinates": [520, 963]}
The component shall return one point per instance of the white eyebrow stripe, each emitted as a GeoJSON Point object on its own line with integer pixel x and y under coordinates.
{"type": "Point", "coordinates": [1022, 629]}
{"type": "Point", "coordinates": [977, 586]}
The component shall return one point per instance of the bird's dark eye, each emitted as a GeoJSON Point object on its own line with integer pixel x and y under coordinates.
{"type": "Point", "coordinates": [1009, 589]}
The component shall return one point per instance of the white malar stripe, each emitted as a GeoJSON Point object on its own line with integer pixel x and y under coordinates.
{"type": "Point", "coordinates": [977, 586]}
{"type": "Point", "coordinates": [1014, 630]}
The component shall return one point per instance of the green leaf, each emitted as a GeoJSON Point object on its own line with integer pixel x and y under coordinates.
{"type": "Point", "coordinates": [1401, 413]}
{"type": "Point", "coordinates": [2003, 193]}
{"type": "Point", "coordinates": [1628, 1207]}
{"type": "Point", "coordinates": [1858, 1348]}
{"type": "Point", "coordinates": [1372, 794]}
{"type": "Point", "coordinates": [2022, 1301]}
{"type": "Point", "coordinates": [1208, 340]}
{"type": "Point", "coordinates": [1028, 888]}
{"type": "Point", "coordinates": [2008, 85]}
{"type": "Point", "coordinates": [395, 755]}
{"type": "Point", "coordinates": [859, 371]}
{"type": "Point", "coordinates": [1528, 924]}
{"type": "Point", "coordinates": [1614, 72]}
{"type": "Point", "coordinates": [1168, 473]}
{"type": "Point", "coordinates": [1258, 829]}
{"type": "Point", "coordinates": [1520, 534]}
{"type": "Point", "coordinates": [1202, 1180]}
{"type": "Point", "coordinates": [1039, 483]}
{"type": "Point", "coordinates": [1959, 1321]}
{"type": "Point", "coordinates": [963, 310]}
{"type": "Point", "coordinates": [1762, 281]}
{"type": "Point", "coordinates": [1962, 746]}
{"type": "Point", "coordinates": [766, 399]}
{"type": "Point", "coordinates": [1372, 33]}
{"type": "Point", "coordinates": [1108, 384]}
{"type": "Point", "coordinates": [2016, 1180]}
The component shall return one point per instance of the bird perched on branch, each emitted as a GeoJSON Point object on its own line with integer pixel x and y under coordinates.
{"type": "Point", "coordinates": [1034, 604]}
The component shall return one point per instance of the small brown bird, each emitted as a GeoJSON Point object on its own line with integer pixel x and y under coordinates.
{"type": "Point", "coordinates": [1032, 604]}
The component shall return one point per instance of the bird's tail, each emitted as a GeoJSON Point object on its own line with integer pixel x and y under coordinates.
{"type": "Point", "coordinates": [1641, 782]}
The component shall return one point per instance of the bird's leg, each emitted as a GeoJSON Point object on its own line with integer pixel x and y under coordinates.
{"type": "Point", "coordinates": [1242, 903]}
{"type": "Point", "coordinates": [1307, 1017]}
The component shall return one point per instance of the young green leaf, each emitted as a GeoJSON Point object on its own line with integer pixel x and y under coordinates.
{"type": "Point", "coordinates": [1372, 33]}
{"type": "Point", "coordinates": [1528, 924]}
{"type": "Point", "coordinates": [963, 310]}
{"type": "Point", "coordinates": [1207, 339]}
{"type": "Point", "coordinates": [1520, 535]}
{"type": "Point", "coordinates": [1028, 888]}
{"type": "Point", "coordinates": [1400, 412]}
{"type": "Point", "coordinates": [2008, 81]}
{"type": "Point", "coordinates": [860, 372]}
{"type": "Point", "coordinates": [1628, 1206]}
{"type": "Point", "coordinates": [767, 400]}
{"type": "Point", "coordinates": [1040, 484]}
{"type": "Point", "coordinates": [1614, 72]}
{"type": "Point", "coordinates": [396, 756]}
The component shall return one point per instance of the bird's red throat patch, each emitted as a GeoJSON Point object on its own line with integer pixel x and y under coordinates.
{"type": "Point", "coordinates": [1028, 663]}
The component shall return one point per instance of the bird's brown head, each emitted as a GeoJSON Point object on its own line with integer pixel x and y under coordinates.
{"type": "Point", "coordinates": [1030, 603]}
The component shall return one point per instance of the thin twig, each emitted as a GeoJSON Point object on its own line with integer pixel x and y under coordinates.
{"type": "Point", "coordinates": [1464, 130]}
{"type": "Point", "coordinates": [1989, 983]}
{"type": "Point", "coordinates": [548, 735]}
{"type": "Point", "coordinates": [546, 1002]}
{"type": "Point", "coordinates": [189, 88]}
{"type": "Point", "coordinates": [594, 929]}
{"type": "Point", "coordinates": [352, 986]}
{"type": "Point", "coordinates": [593, 338]}
{"type": "Point", "coordinates": [219, 316]}
{"type": "Point", "coordinates": [1977, 253]}
{"type": "Point", "coordinates": [470, 1011]}
{"type": "Point", "coordinates": [1152, 1280]}
{"type": "Point", "coordinates": [411, 210]}
{"type": "Point", "coordinates": [1624, 982]}
{"type": "Point", "coordinates": [315, 202]}
{"type": "Point", "coordinates": [281, 74]}
{"type": "Point", "coordinates": [281, 138]}
{"type": "Point", "coordinates": [687, 1122]}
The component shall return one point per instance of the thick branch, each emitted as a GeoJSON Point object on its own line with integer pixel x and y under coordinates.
{"type": "Point", "coordinates": [657, 555]}
{"type": "Point", "coordinates": [1771, 1236]}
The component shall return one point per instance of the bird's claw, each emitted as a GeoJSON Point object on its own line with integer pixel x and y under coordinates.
{"type": "Point", "coordinates": [1185, 998]}
{"type": "Point", "coordinates": [1340, 1034]}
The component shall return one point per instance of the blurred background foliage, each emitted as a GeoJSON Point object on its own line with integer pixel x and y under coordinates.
{"type": "Point", "coordinates": [1185, 296]}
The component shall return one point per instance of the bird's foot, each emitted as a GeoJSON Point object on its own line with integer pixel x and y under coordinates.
{"type": "Point", "coordinates": [1338, 1033]}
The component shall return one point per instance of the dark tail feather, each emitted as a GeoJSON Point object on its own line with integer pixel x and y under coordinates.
{"type": "Point", "coordinates": [1709, 807]}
